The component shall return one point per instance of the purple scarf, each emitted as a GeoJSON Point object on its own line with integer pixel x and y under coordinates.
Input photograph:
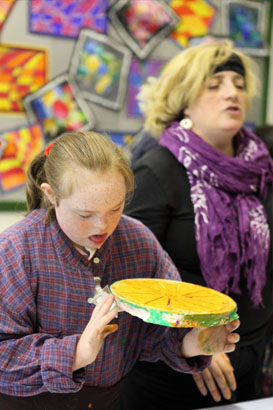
{"type": "Point", "coordinates": [230, 222]}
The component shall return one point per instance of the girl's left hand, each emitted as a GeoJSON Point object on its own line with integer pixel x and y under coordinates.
{"type": "Point", "coordinates": [210, 340]}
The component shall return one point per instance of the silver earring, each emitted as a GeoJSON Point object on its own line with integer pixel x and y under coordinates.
{"type": "Point", "coordinates": [186, 123]}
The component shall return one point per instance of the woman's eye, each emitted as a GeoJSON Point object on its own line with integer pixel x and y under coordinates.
{"type": "Point", "coordinates": [240, 86]}
{"type": "Point", "coordinates": [84, 216]}
{"type": "Point", "coordinates": [213, 86]}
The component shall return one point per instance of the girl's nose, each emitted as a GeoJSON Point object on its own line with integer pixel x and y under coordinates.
{"type": "Point", "coordinates": [100, 223]}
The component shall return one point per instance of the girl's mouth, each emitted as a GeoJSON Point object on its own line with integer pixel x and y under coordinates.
{"type": "Point", "coordinates": [97, 239]}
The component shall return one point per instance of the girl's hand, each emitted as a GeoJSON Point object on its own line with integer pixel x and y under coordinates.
{"type": "Point", "coordinates": [97, 329]}
{"type": "Point", "coordinates": [210, 340]}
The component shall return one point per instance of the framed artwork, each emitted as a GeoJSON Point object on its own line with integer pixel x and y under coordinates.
{"type": "Point", "coordinates": [5, 9]}
{"type": "Point", "coordinates": [3, 144]}
{"type": "Point", "coordinates": [245, 23]}
{"type": "Point", "coordinates": [57, 108]}
{"type": "Point", "coordinates": [195, 19]}
{"type": "Point", "coordinates": [21, 146]}
{"type": "Point", "coordinates": [99, 67]}
{"type": "Point", "coordinates": [66, 18]}
{"type": "Point", "coordinates": [142, 24]}
{"type": "Point", "coordinates": [22, 71]}
{"type": "Point", "coordinates": [120, 138]}
{"type": "Point", "coordinates": [139, 72]}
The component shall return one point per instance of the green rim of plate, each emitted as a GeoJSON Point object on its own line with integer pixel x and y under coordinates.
{"type": "Point", "coordinates": [164, 318]}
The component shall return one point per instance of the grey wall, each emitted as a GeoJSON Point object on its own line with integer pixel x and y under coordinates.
{"type": "Point", "coordinates": [15, 31]}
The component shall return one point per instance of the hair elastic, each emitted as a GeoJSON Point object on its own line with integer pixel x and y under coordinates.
{"type": "Point", "coordinates": [48, 149]}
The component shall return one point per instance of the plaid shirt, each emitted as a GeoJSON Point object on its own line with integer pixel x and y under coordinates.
{"type": "Point", "coordinates": [45, 285]}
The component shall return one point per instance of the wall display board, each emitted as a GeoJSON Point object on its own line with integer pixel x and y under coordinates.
{"type": "Point", "coordinates": [78, 64]}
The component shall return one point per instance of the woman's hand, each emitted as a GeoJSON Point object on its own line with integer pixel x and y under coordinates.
{"type": "Point", "coordinates": [210, 340]}
{"type": "Point", "coordinates": [217, 378]}
{"type": "Point", "coordinates": [94, 334]}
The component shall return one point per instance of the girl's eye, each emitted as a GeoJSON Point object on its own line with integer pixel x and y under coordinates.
{"type": "Point", "coordinates": [84, 216]}
{"type": "Point", "coordinates": [116, 210]}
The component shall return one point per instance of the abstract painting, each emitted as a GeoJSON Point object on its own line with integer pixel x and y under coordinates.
{"type": "Point", "coordinates": [21, 146]}
{"type": "Point", "coordinates": [139, 72]}
{"type": "Point", "coordinates": [22, 71]}
{"type": "Point", "coordinates": [142, 24]}
{"type": "Point", "coordinates": [56, 107]}
{"type": "Point", "coordinates": [66, 18]}
{"type": "Point", "coordinates": [100, 68]}
{"type": "Point", "coordinates": [5, 8]}
{"type": "Point", "coordinates": [120, 138]}
{"type": "Point", "coordinates": [195, 19]}
{"type": "Point", "coordinates": [244, 22]}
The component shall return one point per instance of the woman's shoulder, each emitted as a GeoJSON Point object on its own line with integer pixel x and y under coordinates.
{"type": "Point", "coordinates": [161, 162]}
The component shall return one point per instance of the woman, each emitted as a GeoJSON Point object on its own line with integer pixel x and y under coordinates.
{"type": "Point", "coordinates": [205, 190]}
{"type": "Point", "coordinates": [58, 351]}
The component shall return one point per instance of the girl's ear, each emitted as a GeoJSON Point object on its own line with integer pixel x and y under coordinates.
{"type": "Point", "coordinates": [47, 190]}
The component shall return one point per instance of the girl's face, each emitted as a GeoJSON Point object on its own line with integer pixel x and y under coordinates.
{"type": "Point", "coordinates": [91, 213]}
{"type": "Point", "coordinates": [219, 112]}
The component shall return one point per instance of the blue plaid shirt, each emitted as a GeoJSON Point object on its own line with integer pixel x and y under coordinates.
{"type": "Point", "coordinates": [45, 286]}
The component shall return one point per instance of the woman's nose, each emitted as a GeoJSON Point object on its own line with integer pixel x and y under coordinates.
{"type": "Point", "coordinates": [230, 90]}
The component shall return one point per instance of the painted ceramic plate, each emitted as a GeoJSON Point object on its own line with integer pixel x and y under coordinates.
{"type": "Point", "coordinates": [172, 303]}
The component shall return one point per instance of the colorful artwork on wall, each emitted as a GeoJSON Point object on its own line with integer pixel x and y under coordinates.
{"type": "Point", "coordinates": [22, 71]}
{"type": "Point", "coordinates": [21, 146]}
{"type": "Point", "coordinates": [66, 18]}
{"type": "Point", "coordinates": [139, 72]}
{"type": "Point", "coordinates": [245, 23]}
{"type": "Point", "coordinates": [5, 8]}
{"type": "Point", "coordinates": [56, 107]}
{"type": "Point", "coordinates": [100, 68]}
{"type": "Point", "coordinates": [195, 19]}
{"type": "Point", "coordinates": [120, 138]}
{"type": "Point", "coordinates": [3, 144]}
{"type": "Point", "coordinates": [142, 24]}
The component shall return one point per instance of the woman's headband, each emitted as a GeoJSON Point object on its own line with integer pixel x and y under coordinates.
{"type": "Point", "coordinates": [234, 63]}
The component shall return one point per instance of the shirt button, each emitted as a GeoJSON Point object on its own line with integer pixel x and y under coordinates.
{"type": "Point", "coordinates": [96, 260]}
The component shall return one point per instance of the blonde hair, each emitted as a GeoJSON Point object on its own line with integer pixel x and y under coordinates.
{"type": "Point", "coordinates": [72, 151]}
{"type": "Point", "coordinates": [164, 99]}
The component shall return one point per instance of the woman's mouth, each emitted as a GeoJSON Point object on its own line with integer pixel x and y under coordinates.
{"type": "Point", "coordinates": [234, 110]}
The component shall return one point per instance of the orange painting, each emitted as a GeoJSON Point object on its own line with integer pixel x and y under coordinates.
{"type": "Point", "coordinates": [22, 71]}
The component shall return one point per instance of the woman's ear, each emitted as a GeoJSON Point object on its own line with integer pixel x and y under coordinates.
{"type": "Point", "coordinates": [47, 190]}
{"type": "Point", "coordinates": [187, 112]}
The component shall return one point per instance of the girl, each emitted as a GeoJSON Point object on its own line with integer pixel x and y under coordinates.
{"type": "Point", "coordinates": [56, 349]}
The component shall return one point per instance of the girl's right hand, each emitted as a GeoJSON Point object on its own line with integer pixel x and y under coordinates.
{"type": "Point", "coordinates": [96, 330]}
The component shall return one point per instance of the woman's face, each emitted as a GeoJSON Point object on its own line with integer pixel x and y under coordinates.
{"type": "Point", "coordinates": [91, 213]}
{"type": "Point", "coordinates": [219, 112]}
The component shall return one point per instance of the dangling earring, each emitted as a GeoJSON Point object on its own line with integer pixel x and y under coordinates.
{"type": "Point", "coordinates": [186, 123]}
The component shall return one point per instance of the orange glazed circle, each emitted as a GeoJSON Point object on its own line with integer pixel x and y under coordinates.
{"type": "Point", "coordinates": [173, 303]}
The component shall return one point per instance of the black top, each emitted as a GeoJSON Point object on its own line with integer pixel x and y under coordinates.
{"type": "Point", "coordinates": [162, 202]}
